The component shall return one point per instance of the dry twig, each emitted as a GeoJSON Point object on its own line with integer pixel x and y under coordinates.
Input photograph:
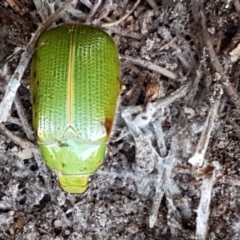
{"type": "Point", "coordinates": [17, 6]}
{"type": "Point", "coordinates": [237, 5]}
{"type": "Point", "coordinates": [162, 102]}
{"type": "Point", "coordinates": [223, 79]}
{"type": "Point", "coordinates": [157, 198]}
{"type": "Point", "coordinates": [170, 98]}
{"type": "Point", "coordinates": [14, 121]}
{"type": "Point", "coordinates": [104, 12]}
{"type": "Point", "coordinates": [198, 158]}
{"type": "Point", "coordinates": [19, 141]}
{"type": "Point", "coordinates": [22, 115]}
{"type": "Point", "coordinates": [87, 3]}
{"type": "Point", "coordinates": [14, 82]}
{"type": "Point", "coordinates": [203, 210]}
{"type": "Point", "coordinates": [196, 81]}
{"type": "Point", "coordinates": [151, 66]}
{"type": "Point", "coordinates": [153, 4]}
{"type": "Point", "coordinates": [122, 18]}
{"type": "Point", "coordinates": [40, 9]}
{"type": "Point", "coordinates": [94, 8]}
{"type": "Point", "coordinates": [236, 38]}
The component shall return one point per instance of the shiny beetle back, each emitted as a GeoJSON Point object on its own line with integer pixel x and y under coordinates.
{"type": "Point", "coordinates": [74, 85]}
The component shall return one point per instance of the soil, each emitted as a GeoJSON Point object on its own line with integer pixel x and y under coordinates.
{"type": "Point", "coordinates": [121, 195]}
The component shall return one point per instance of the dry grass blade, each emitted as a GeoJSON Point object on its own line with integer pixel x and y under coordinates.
{"type": "Point", "coordinates": [14, 82]}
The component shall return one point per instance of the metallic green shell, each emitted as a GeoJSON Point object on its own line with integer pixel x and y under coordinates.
{"type": "Point", "coordinates": [74, 85]}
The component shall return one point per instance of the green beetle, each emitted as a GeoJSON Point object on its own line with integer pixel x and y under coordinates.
{"type": "Point", "coordinates": [74, 85]}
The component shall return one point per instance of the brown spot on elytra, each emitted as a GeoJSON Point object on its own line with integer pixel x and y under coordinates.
{"type": "Point", "coordinates": [63, 165]}
{"type": "Point", "coordinates": [62, 145]}
{"type": "Point", "coordinates": [120, 86]}
{"type": "Point", "coordinates": [108, 125]}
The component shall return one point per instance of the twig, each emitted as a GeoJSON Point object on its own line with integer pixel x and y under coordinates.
{"type": "Point", "coordinates": [94, 8]}
{"type": "Point", "coordinates": [17, 6]}
{"type": "Point", "coordinates": [162, 102]}
{"type": "Point", "coordinates": [203, 210]}
{"type": "Point", "coordinates": [194, 86]}
{"type": "Point", "coordinates": [234, 41]}
{"type": "Point", "coordinates": [153, 5]}
{"type": "Point", "coordinates": [14, 82]}
{"type": "Point", "coordinates": [79, 15]}
{"type": "Point", "coordinates": [27, 144]}
{"type": "Point", "coordinates": [170, 98]}
{"type": "Point", "coordinates": [104, 12]}
{"type": "Point", "coordinates": [198, 158]}
{"type": "Point", "coordinates": [14, 121]}
{"type": "Point", "coordinates": [87, 3]}
{"type": "Point", "coordinates": [19, 141]}
{"type": "Point", "coordinates": [122, 18]}
{"type": "Point", "coordinates": [133, 94]}
{"type": "Point", "coordinates": [223, 79]}
{"type": "Point", "coordinates": [22, 115]}
{"type": "Point", "coordinates": [237, 5]}
{"type": "Point", "coordinates": [236, 38]}
{"type": "Point", "coordinates": [157, 198]}
{"type": "Point", "coordinates": [40, 9]}
{"type": "Point", "coordinates": [151, 66]}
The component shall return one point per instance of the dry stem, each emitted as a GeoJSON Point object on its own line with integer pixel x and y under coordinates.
{"type": "Point", "coordinates": [198, 158]}
{"type": "Point", "coordinates": [19, 141]}
{"type": "Point", "coordinates": [153, 4]}
{"type": "Point", "coordinates": [224, 80]}
{"type": "Point", "coordinates": [22, 115]}
{"type": "Point", "coordinates": [203, 210]}
{"type": "Point", "coordinates": [151, 66]}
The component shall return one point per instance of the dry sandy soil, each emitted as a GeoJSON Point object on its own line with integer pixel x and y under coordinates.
{"type": "Point", "coordinates": [172, 168]}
